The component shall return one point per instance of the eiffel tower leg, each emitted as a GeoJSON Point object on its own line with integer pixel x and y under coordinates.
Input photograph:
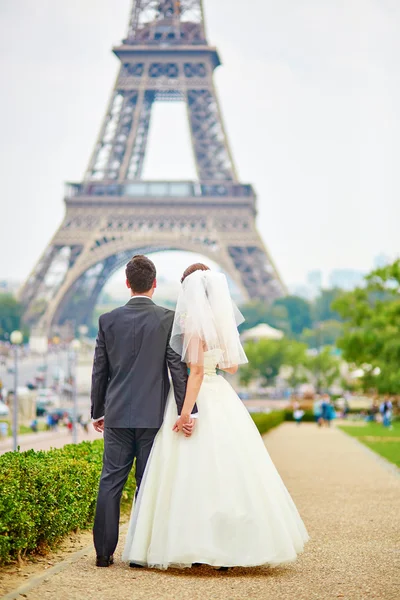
{"type": "Point", "coordinates": [95, 158]}
{"type": "Point", "coordinates": [257, 271]}
{"type": "Point", "coordinates": [78, 303]}
{"type": "Point", "coordinates": [213, 157]}
{"type": "Point", "coordinates": [46, 277]}
{"type": "Point", "coordinates": [117, 136]}
{"type": "Point", "coordinates": [132, 165]}
{"type": "Point", "coordinates": [29, 291]}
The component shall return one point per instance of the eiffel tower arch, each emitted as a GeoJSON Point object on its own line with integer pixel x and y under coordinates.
{"type": "Point", "coordinates": [114, 213]}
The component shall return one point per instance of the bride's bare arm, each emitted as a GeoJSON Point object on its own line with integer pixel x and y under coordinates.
{"type": "Point", "coordinates": [195, 380]}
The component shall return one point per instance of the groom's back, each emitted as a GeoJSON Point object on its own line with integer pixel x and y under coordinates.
{"type": "Point", "coordinates": [135, 338]}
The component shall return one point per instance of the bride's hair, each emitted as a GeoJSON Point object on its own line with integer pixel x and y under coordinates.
{"type": "Point", "coordinates": [192, 269]}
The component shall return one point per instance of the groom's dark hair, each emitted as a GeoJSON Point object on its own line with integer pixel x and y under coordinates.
{"type": "Point", "coordinates": [140, 273]}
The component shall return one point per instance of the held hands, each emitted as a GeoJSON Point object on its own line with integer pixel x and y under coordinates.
{"type": "Point", "coordinates": [185, 424]}
{"type": "Point", "coordinates": [99, 426]}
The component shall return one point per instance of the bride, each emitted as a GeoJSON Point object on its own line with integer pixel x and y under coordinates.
{"type": "Point", "coordinates": [214, 497]}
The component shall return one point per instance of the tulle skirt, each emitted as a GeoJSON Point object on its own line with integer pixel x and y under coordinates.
{"type": "Point", "coordinates": [215, 498]}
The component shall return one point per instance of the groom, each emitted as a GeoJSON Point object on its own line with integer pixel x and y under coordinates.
{"type": "Point", "coordinates": [130, 387]}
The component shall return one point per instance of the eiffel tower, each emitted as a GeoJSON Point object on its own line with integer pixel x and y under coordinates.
{"type": "Point", "coordinates": [114, 213]}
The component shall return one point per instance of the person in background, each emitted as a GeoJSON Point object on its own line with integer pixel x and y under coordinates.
{"type": "Point", "coordinates": [317, 411]}
{"type": "Point", "coordinates": [372, 412]}
{"type": "Point", "coordinates": [346, 408]}
{"type": "Point", "coordinates": [34, 425]}
{"type": "Point", "coordinates": [3, 430]}
{"type": "Point", "coordinates": [298, 413]}
{"type": "Point", "coordinates": [340, 405]}
{"type": "Point", "coordinates": [49, 422]}
{"type": "Point", "coordinates": [386, 412]}
{"type": "Point", "coordinates": [328, 411]}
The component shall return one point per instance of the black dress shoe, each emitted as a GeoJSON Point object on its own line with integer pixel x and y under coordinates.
{"type": "Point", "coordinates": [135, 566]}
{"type": "Point", "coordinates": [104, 561]}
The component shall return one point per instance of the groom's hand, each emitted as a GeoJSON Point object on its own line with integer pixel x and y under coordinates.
{"type": "Point", "coordinates": [99, 426]}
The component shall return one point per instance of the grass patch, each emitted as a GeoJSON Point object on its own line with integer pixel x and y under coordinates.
{"type": "Point", "coordinates": [381, 440]}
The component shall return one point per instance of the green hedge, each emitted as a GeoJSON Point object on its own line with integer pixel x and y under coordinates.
{"type": "Point", "coordinates": [46, 495]}
{"type": "Point", "coordinates": [266, 421]}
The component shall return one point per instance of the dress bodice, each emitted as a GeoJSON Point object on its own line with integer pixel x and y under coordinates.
{"type": "Point", "coordinates": [211, 360]}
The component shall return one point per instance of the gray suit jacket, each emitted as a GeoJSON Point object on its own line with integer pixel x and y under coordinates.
{"type": "Point", "coordinates": [130, 381]}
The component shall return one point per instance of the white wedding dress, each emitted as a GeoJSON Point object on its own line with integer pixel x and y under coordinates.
{"type": "Point", "coordinates": [216, 497]}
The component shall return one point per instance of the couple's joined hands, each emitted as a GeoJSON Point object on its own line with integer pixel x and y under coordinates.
{"type": "Point", "coordinates": [185, 424]}
{"type": "Point", "coordinates": [99, 426]}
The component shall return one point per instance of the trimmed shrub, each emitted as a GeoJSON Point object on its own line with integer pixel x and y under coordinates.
{"type": "Point", "coordinates": [46, 495]}
{"type": "Point", "coordinates": [266, 421]}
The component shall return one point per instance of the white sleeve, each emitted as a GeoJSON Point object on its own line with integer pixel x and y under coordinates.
{"type": "Point", "coordinates": [99, 419]}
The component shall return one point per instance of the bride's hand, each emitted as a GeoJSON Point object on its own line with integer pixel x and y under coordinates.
{"type": "Point", "coordinates": [188, 428]}
{"type": "Point", "coordinates": [185, 424]}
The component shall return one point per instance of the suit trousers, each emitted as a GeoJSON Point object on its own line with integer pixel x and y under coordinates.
{"type": "Point", "coordinates": [121, 447]}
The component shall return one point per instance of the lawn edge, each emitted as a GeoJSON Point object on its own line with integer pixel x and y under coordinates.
{"type": "Point", "coordinates": [387, 464]}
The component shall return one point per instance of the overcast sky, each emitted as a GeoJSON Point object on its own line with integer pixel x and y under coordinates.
{"type": "Point", "coordinates": [310, 92]}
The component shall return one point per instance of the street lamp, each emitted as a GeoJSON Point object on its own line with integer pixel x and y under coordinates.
{"type": "Point", "coordinates": [75, 347]}
{"type": "Point", "coordinates": [16, 339]}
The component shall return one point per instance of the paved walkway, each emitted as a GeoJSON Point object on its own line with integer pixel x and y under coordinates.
{"type": "Point", "coordinates": [349, 501]}
{"type": "Point", "coordinates": [44, 440]}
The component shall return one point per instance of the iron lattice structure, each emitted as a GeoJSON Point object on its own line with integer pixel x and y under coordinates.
{"type": "Point", "coordinates": [114, 213]}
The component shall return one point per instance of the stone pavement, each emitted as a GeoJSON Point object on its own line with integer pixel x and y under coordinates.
{"type": "Point", "coordinates": [349, 500]}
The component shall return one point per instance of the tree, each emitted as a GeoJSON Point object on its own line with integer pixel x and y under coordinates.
{"type": "Point", "coordinates": [296, 361]}
{"type": "Point", "coordinates": [371, 338]}
{"type": "Point", "coordinates": [324, 368]}
{"type": "Point", "coordinates": [325, 333]}
{"type": "Point", "coordinates": [267, 357]}
{"type": "Point", "coordinates": [257, 312]}
{"type": "Point", "coordinates": [298, 311]}
{"type": "Point", "coordinates": [278, 318]}
{"type": "Point", "coordinates": [10, 315]}
{"type": "Point", "coordinates": [317, 324]}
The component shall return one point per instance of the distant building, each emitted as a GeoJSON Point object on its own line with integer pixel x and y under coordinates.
{"type": "Point", "coordinates": [314, 282]}
{"type": "Point", "coordinates": [382, 260]}
{"type": "Point", "coordinates": [314, 279]}
{"type": "Point", "coordinates": [311, 288]}
{"type": "Point", "coordinates": [301, 289]}
{"type": "Point", "coordinates": [346, 279]}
